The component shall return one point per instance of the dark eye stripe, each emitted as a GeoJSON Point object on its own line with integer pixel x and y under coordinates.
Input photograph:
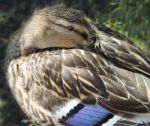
{"type": "Point", "coordinates": [84, 35]}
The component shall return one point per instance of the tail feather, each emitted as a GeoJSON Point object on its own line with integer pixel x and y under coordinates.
{"type": "Point", "coordinates": [129, 123]}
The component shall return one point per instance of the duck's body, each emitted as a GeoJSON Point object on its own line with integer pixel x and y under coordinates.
{"type": "Point", "coordinates": [49, 83]}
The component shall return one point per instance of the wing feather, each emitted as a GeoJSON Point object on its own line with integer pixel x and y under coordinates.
{"type": "Point", "coordinates": [84, 74]}
{"type": "Point", "coordinates": [120, 50]}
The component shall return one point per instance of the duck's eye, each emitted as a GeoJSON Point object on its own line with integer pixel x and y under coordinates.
{"type": "Point", "coordinates": [70, 28]}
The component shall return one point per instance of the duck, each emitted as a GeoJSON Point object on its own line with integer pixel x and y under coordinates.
{"type": "Point", "coordinates": [65, 70]}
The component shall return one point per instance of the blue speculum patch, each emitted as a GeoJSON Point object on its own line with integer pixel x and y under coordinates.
{"type": "Point", "coordinates": [87, 116]}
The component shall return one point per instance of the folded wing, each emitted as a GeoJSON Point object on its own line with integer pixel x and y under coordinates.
{"type": "Point", "coordinates": [120, 50]}
{"type": "Point", "coordinates": [49, 77]}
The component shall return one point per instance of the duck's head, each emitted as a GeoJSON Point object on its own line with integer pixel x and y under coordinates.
{"type": "Point", "coordinates": [56, 26]}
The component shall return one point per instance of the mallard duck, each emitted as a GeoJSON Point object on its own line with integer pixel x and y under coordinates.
{"type": "Point", "coordinates": [66, 70]}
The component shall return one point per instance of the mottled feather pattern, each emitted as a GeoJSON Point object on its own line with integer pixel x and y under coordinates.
{"type": "Point", "coordinates": [81, 78]}
{"type": "Point", "coordinates": [119, 50]}
{"type": "Point", "coordinates": [48, 81]}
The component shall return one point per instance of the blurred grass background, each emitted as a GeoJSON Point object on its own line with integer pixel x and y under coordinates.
{"type": "Point", "coordinates": [130, 17]}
